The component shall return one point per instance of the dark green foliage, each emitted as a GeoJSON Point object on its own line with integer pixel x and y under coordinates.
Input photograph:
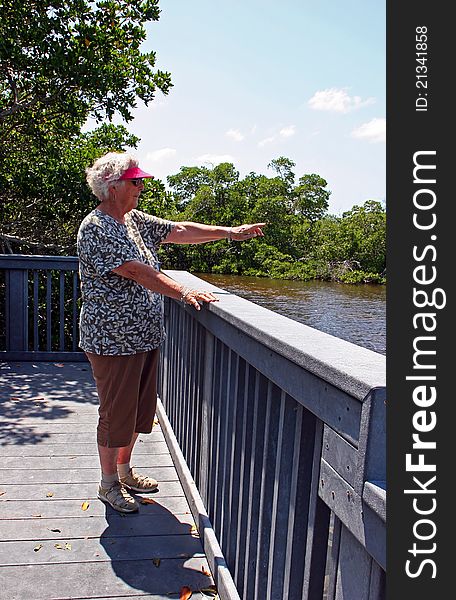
{"type": "Point", "coordinates": [61, 62]}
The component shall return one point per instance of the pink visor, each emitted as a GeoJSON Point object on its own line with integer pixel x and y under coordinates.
{"type": "Point", "coordinates": [135, 173]}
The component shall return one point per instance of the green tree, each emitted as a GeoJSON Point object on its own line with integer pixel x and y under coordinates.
{"type": "Point", "coordinates": [75, 58]}
{"type": "Point", "coordinates": [363, 234]}
{"type": "Point", "coordinates": [283, 167]}
{"type": "Point", "coordinates": [61, 62]}
{"type": "Point", "coordinates": [188, 181]}
{"type": "Point", "coordinates": [44, 201]}
{"type": "Point", "coordinates": [310, 198]}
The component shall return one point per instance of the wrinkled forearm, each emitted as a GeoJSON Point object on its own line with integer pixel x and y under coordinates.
{"type": "Point", "coordinates": [150, 278]}
{"type": "Point", "coordinates": [187, 232]}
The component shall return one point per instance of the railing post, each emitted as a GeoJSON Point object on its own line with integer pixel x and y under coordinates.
{"type": "Point", "coordinates": [17, 309]}
{"type": "Point", "coordinates": [372, 439]}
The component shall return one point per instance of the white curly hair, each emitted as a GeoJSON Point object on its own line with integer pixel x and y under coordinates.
{"type": "Point", "coordinates": [106, 170]}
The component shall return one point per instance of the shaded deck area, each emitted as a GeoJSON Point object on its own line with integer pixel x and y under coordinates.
{"type": "Point", "coordinates": [57, 540]}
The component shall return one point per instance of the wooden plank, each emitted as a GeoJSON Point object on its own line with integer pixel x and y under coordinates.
{"type": "Point", "coordinates": [68, 549]}
{"type": "Point", "coordinates": [95, 526]}
{"type": "Point", "coordinates": [45, 437]}
{"type": "Point", "coordinates": [72, 426]}
{"type": "Point", "coordinates": [85, 449]}
{"type": "Point", "coordinates": [26, 477]}
{"type": "Point", "coordinates": [77, 461]}
{"type": "Point", "coordinates": [52, 508]}
{"type": "Point", "coordinates": [341, 455]}
{"type": "Point", "coordinates": [104, 579]}
{"type": "Point", "coordinates": [70, 491]}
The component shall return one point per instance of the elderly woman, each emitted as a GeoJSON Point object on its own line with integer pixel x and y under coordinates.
{"type": "Point", "coordinates": [121, 323]}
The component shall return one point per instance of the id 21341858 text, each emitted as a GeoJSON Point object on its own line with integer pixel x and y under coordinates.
{"type": "Point", "coordinates": [421, 68]}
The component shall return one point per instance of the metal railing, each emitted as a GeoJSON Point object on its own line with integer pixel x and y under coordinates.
{"type": "Point", "coordinates": [39, 304]}
{"type": "Point", "coordinates": [283, 429]}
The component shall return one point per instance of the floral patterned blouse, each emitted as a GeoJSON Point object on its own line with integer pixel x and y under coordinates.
{"type": "Point", "coordinates": [118, 315]}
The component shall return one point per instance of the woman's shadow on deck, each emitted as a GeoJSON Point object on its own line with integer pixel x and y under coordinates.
{"type": "Point", "coordinates": [155, 551]}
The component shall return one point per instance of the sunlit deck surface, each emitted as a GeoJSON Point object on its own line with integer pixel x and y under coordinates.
{"type": "Point", "coordinates": [57, 540]}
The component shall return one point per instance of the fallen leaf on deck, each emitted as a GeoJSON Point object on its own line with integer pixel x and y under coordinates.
{"type": "Point", "coordinates": [36, 548]}
{"type": "Point", "coordinates": [156, 561]}
{"type": "Point", "coordinates": [85, 505]}
{"type": "Point", "coordinates": [55, 530]}
{"type": "Point", "coordinates": [67, 546]}
{"type": "Point", "coordinates": [156, 422]}
{"type": "Point", "coordinates": [36, 516]}
{"type": "Point", "coordinates": [185, 593]}
{"type": "Point", "coordinates": [58, 546]}
{"type": "Point", "coordinates": [49, 494]}
{"type": "Point", "coordinates": [147, 501]}
{"type": "Point", "coordinates": [1, 493]}
{"type": "Point", "coordinates": [194, 531]}
{"type": "Point", "coordinates": [205, 571]}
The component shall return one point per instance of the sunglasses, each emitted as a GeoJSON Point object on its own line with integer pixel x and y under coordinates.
{"type": "Point", "coordinates": [137, 181]}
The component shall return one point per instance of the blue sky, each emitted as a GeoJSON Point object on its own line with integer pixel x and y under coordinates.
{"type": "Point", "coordinates": [256, 79]}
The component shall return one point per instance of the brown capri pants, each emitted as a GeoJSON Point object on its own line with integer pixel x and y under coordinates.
{"type": "Point", "coordinates": [127, 389]}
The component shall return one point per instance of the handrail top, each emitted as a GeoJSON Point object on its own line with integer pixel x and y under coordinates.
{"type": "Point", "coordinates": [37, 261]}
{"type": "Point", "coordinates": [347, 366]}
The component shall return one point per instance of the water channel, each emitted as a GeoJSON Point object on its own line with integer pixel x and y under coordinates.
{"type": "Point", "coordinates": [356, 313]}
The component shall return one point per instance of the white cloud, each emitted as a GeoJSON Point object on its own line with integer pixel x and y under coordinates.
{"type": "Point", "coordinates": [215, 159]}
{"type": "Point", "coordinates": [287, 131]}
{"type": "Point", "coordinates": [267, 140]}
{"type": "Point", "coordinates": [373, 131]}
{"type": "Point", "coordinates": [158, 155]}
{"type": "Point", "coordinates": [234, 134]}
{"type": "Point", "coordinates": [337, 100]}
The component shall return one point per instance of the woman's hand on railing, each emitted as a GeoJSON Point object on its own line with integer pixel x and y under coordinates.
{"type": "Point", "coordinates": [194, 297]}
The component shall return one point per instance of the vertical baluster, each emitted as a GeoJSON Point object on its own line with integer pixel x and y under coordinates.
{"type": "Point", "coordinates": [239, 411]}
{"type": "Point", "coordinates": [36, 308]}
{"type": "Point", "coordinates": [205, 453]}
{"type": "Point", "coordinates": [49, 311]}
{"type": "Point", "coordinates": [267, 489]}
{"type": "Point", "coordinates": [190, 393]}
{"type": "Point", "coordinates": [173, 392]}
{"type": "Point", "coordinates": [309, 522]}
{"type": "Point", "coordinates": [248, 439]}
{"type": "Point", "coordinates": [214, 465]}
{"type": "Point", "coordinates": [199, 383]}
{"type": "Point", "coordinates": [74, 329]}
{"type": "Point", "coordinates": [185, 406]}
{"type": "Point", "coordinates": [17, 309]}
{"type": "Point", "coordinates": [256, 457]}
{"type": "Point", "coordinates": [62, 311]}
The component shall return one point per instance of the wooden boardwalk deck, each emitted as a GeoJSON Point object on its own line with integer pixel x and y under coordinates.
{"type": "Point", "coordinates": [57, 540]}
